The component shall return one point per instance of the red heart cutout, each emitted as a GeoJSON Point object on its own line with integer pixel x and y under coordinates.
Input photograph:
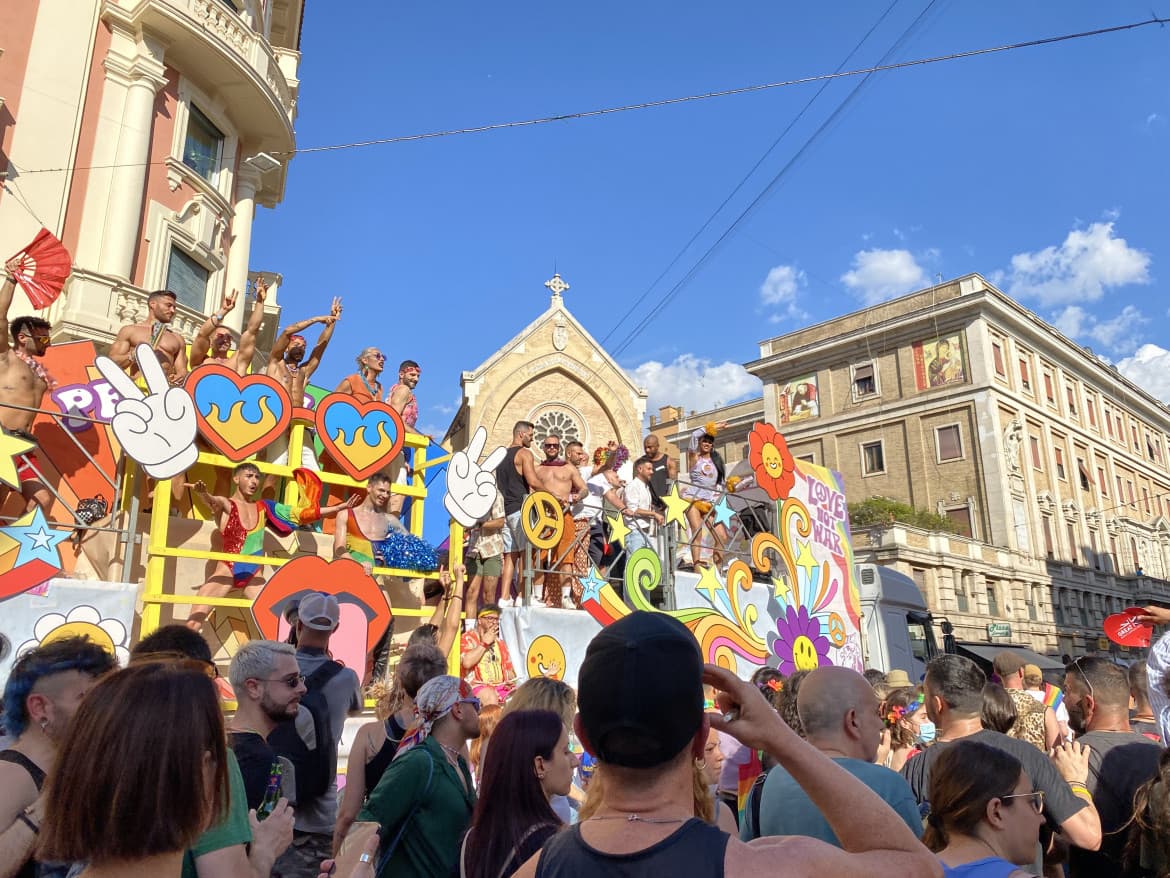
{"type": "Point", "coordinates": [1124, 628]}
{"type": "Point", "coordinates": [363, 437]}
{"type": "Point", "coordinates": [258, 409]}
{"type": "Point", "coordinates": [344, 578]}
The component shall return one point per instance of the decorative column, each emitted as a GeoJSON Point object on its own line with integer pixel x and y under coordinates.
{"type": "Point", "coordinates": [236, 277]}
{"type": "Point", "coordinates": [144, 76]}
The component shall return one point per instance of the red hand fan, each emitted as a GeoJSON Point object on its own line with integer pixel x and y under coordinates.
{"type": "Point", "coordinates": [41, 269]}
{"type": "Point", "coordinates": [1124, 628]}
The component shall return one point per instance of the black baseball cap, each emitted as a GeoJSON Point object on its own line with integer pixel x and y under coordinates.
{"type": "Point", "coordinates": [640, 690]}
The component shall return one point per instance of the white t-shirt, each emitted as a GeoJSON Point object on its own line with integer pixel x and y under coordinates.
{"type": "Point", "coordinates": [638, 497]}
{"type": "Point", "coordinates": [590, 505]}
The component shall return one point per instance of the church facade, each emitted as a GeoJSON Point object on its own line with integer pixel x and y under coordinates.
{"type": "Point", "coordinates": [554, 374]}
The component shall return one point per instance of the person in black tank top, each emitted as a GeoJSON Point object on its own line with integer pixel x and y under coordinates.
{"type": "Point", "coordinates": [640, 713]}
{"type": "Point", "coordinates": [513, 478]}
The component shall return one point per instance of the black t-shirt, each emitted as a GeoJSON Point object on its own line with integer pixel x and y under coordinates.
{"type": "Point", "coordinates": [1119, 763]}
{"type": "Point", "coordinates": [255, 758]}
{"type": "Point", "coordinates": [1059, 802]}
{"type": "Point", "coordinates": [659, 476]}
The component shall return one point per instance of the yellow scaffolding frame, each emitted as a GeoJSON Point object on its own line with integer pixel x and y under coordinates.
{"type": "Point", "coordinates": [159, 550]}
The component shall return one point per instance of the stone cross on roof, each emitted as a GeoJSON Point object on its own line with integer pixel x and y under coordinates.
{"type": "Point", "coordinates": [557, 285]}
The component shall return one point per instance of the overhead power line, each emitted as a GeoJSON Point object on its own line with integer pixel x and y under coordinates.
{"type": "Point", "coordinates": [665, 102]}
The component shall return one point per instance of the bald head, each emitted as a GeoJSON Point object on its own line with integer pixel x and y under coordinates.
{"type": "Point", "coordinates": [839, 711]}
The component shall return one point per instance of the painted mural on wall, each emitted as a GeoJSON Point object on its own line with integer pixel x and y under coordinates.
{"type": "Point", "coordinates": [940, 362]}
{"type": "Point", "coordinates": [799, 400]}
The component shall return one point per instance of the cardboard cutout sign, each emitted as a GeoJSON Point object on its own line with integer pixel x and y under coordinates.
{"type": "Point", "coordinates": [238, 415]}
{"type": "Point", "coordinates": [471, 486]}
{"type": "Point", "coordinates": [365, 612]}
{"type": "Point", "coordinates": [1124, 628]}
{"type": "Point", "coordinates": [363, 437]}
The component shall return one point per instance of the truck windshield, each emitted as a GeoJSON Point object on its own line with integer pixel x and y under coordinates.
{"type": "Point", "coordinates": [921, 636]}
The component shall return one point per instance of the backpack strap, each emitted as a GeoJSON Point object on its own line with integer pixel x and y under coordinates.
{"type": "Point", "coordinates": [389, 852]}
{"type": "Point", "coordinates": [323, 674]}
{"type": "Point", "coordinates": [516, 847]}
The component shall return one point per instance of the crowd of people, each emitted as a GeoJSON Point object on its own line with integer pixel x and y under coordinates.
{"type": "Point", "coordinates": [656, 764]}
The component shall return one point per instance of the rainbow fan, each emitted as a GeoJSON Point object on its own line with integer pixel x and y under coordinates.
{"type": "Point", "coordinates": [41, 269]}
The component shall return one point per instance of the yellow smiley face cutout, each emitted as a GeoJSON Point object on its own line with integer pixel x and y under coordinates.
{"type": "Point", "coordinates": [804, 655]}
{"type": "Point", "coordinates": [546, 658]}
{"type": "Point", "coordinates": [770, 457]}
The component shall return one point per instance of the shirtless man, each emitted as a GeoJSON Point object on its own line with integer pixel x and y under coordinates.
{"type": "Point", "coordinates": [213, 344]}
{"type": "Point", "coordinates": [23, 382]}
{"type": "Point", "coordinates": [285, 365]}
{"type": "Point", "coordinates": [563, 481]}
{"type": "Point", "coordinates": [240, 516]}
{"type": "Point", "coordinates": [401, 398]}
{"type": "Point", "coordinates": [515, 477]}
{"type": "Point", "coordinates": [168, 345]}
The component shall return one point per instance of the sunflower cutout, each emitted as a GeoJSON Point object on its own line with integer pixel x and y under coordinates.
{"type": "Point", "coordinates": [771, 461]}
{"type": "Point", "coordinates": [82, 621]}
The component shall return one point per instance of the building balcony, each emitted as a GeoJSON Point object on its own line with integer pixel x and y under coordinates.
{"type": "Point", "coordinates": [208, 42]}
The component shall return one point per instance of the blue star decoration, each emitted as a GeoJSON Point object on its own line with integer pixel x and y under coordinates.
{"type": "Point", "coordinates": [38, 542]}
{"type": "Point", "coordinates": [593, 583]}
{"type": "Point", "coordinates": [723, 512]}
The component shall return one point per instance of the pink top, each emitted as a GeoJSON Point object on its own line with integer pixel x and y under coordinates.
{"type": "Point", "coordinates": [410, 410]}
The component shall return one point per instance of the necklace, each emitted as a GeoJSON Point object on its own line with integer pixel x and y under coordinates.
{"type": "Point", "coordinates": [291, 368]}
{"type": "Point", "coordinates": [376, 394]}
{"type": "Point", "coordinates": [37, 367]}
{"type": "Point", "coordinates": [638, 818]}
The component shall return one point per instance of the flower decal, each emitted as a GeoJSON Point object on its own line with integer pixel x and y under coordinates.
{"type": "Point", "coordinates": [801, 646]}
{"type": "Point", "coordinates": [82, 621]}
{"type": "Point", "coordinates": [772, 461]}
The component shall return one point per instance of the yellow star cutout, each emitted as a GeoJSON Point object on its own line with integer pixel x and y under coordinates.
{"type": "Point", "coordinates": [10, 447]}
{"type": "Point", "coordinates": [709, 583]}
{"type": "Point", "coordinates": [618, 529]}
{"type": "Point", "coordinates": [779, 588]}
{"type": "Point", "coordinates": [676, 506]}
{"type": "Point", "coordinates": [805, 559]}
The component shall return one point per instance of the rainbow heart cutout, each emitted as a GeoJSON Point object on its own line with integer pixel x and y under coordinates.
{"type": "Point", "coordinates": [363, 437]}
{"type": "Point", "coordinates": [1125, 629]}
{"type": "Point", "coordinates": [257, 410]}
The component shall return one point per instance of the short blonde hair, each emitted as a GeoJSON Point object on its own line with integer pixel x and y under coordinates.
{"type": "Point", "coordinates": [544, 693]}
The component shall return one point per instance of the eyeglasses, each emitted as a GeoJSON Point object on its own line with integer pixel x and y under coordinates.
{"type": "Point", "coordinates": [552, 445]}
{"type": "Point", "coordinates": [1035, 799]}
{"type": "Point", "coordinates": [377, 356]}
{"type": "Point", "coordinates": [292, 680]}
{"type": "Point", "coordinates": [472, 700]}
{"type": "Point", "coordinates": [1077, 664]}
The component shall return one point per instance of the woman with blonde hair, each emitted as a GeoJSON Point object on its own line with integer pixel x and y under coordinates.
{"type": "Point", "coordinates": [489, 718]}
{"type": "Point", "coordinates": [158, 783]}
{"type": "Point", "coordinates": [547, 693]}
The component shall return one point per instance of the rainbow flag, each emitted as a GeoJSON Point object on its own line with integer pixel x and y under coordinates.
{"type": "Point", "coordinates": [748, 772]}
{"type": "Point", "coordinates": [1053, 696]}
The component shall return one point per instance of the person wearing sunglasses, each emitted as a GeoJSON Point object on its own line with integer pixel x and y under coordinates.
{"type": "Point", "coordinates": [24, 381]}
{"type": "Point", "coordinates": [424, 801]}
{"type": "Point", "coordinates": [984, 817]}
{"type": "Point", "coordinates": [364, 384]}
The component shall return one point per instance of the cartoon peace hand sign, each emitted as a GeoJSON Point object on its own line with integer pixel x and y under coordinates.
{"type": "Point", "coordinates": [156, 429]}
{"type": "Point", "coordinates": [471, 487]}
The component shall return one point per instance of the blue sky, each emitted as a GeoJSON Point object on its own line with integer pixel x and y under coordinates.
{"type": "Point", "coordinates": [1042, 168]}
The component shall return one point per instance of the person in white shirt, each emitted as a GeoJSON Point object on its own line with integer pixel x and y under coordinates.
{"type": "Point", "coordinates": [602, 486]}
{"type": "Point", "coordinates": [639, 514]}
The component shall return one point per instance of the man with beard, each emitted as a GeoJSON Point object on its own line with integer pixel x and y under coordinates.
{"type": "Point", "coordinates": [285, 365]}
{"type": "Point", "coordinates": [213, 343]}
{"type": "Point", "coordinates": [359, 529]}
{"type": "Point", "coordinates": [953, 697]}
{"type": "Point", "coordinates": [23, 382]}
{"type": "Point", "coordinates": [1096, 692]}
{"type": "Point", "coordinates": [401, 398]}
{"type": "Point", "coordinates": [168, 345]}
{"type": "Point", "coordinates": [515, 477]}
{"type": "Point", "coordinates": [268, 686]}
{"type": "Point", "coordinates": [563, 481]}
{"type": "Point", "coordinates": [43, 692]}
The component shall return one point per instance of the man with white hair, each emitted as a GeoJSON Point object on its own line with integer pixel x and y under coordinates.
{"type": "Point", "coordinates": [268, 684]}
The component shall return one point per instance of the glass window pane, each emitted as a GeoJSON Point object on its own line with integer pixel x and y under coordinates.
{"type": "Point", "coordinates": [187, 279]}
{"type": "Point", "coordinates": [201, 150]}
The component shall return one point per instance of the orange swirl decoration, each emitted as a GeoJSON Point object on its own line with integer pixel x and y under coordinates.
{"type": "Point", "coordinates": [739, 580]}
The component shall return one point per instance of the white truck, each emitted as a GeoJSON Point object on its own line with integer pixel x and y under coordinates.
{"type": "Point", "coordinates": [896, 627]}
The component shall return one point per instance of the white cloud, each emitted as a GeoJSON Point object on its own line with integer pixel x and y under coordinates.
{"type": "Point", "coordinates": [1118, 334]}
{"type": "Point", "coordinates": [1081, 269]}
{"type": "Point", "coordinates": [878, 275]}
{"type": "Point", "coordinates": [1149, 368]}
{"type": "Point", "coordinates": [780, 290]}
{"type": "Point", "coordinates": [694, 383]}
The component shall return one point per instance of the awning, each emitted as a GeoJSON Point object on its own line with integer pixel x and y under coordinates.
{"type": "Point", "coordinates": [986, 653]}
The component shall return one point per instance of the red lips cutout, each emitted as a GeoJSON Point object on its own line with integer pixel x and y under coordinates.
{"type": "Point", "coordinates": [344, 578]}
{"type": "Point", "coordinates": [223, 403]}
{"type": "Point", "coordinates": [1125, 629]}
{"type": "Point", "coordinates": [340, 418]}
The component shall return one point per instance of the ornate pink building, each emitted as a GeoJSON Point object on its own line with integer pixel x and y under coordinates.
{"type": "Point", "coordinates": [143, 133]}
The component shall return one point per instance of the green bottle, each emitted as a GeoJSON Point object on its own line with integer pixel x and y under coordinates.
{"type": "Point", "coordinates": [271, 792]}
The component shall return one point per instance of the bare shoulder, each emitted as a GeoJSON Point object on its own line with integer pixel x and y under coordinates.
{"type": "Point", "coordinates": [17, 790]}
{"type": "Point", "coordinates": [799, 855]}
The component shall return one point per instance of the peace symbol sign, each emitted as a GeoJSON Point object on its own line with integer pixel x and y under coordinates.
{"type": "Point", "coordinates": [836, 630]}
{"type": "Point", "coordinates": [543, 519]}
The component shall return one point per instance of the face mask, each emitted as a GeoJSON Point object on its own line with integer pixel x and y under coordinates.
{"type": "Point", "coordinates": [926, 732]}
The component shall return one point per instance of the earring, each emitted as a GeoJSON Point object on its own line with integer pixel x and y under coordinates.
{"type": "Point", "coordinates": [44, 722]}
{"type": "Point", "coordinates": [701, 763]}
{"type": "Point", "coordinates": [540, 775]}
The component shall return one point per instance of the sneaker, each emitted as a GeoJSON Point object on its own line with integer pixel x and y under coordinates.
{"type": "Point", "coordinates": [506, 602]}
{"type": "Point", "coordinates": [567, 603]}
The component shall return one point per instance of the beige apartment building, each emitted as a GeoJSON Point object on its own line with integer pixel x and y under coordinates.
{"type": "Point", "coordinates": [1054, 468]}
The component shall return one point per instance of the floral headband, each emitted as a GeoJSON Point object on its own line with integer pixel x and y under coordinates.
{"type": "Point", "coordinates": [897, 713]}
